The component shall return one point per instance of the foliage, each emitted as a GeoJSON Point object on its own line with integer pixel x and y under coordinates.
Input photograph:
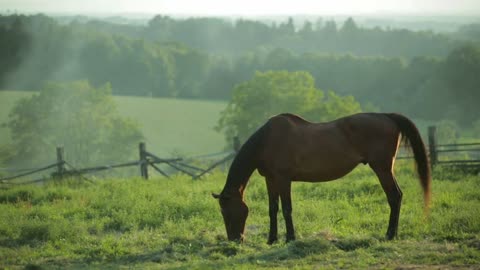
{"type": "Point", "coordinates": [476, 127]}
{"type": "Point", "coordinates": [222, 36]}
{"type": "Point", "coordinates": [460, 73]}
{"type": "Point", "coordinates": [174, 223]}
{"type": "Point", "coordinates": [421, 74]}
{"type": "Point", "coordinates": [274, 92]}
{"type": "Point", "coordinates": [447, 132]}
{"type": "Point", "coordinates": [75, 115]}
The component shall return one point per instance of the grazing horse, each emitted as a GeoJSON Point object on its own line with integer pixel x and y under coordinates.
{"type": "Point", "coordinates": [288, 148]}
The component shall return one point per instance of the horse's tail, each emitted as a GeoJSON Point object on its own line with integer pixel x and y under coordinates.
{"type": "Point", "coordinates": [411, 135]}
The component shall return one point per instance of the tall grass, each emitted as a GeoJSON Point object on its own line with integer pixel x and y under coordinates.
{"type": "Point", "coordinates": [174, 223]}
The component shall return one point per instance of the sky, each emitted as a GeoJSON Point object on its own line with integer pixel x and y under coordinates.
{"type": "Point", "coordinates": [246, 7]}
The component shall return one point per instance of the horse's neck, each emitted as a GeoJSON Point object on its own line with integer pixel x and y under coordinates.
{"type": "Point", "coordinates": [244, 163]}
{"type": "Point", "coordinates": [238, 176]}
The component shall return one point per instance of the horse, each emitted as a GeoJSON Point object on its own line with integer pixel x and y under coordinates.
{"type": "Point", "coordinates": [289, 148]}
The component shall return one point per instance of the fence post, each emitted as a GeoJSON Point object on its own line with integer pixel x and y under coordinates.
{"type": "Point", "coordinates": [143, 160]}
{"type": "Point", "coordinates": [432, 145]}
{"type": "Point", "coordinates": [60, 161]}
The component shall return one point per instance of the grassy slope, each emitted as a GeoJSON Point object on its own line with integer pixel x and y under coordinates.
{"type": "Point", "coordinates": [172, 125]}
{"type": "Point", "coordinates": [169, 125]}
{"type": "Point", "coordinates": [175, 224]}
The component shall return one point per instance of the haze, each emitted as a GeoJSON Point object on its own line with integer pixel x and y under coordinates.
{"type": "Point", "coordinates": [246, 7]}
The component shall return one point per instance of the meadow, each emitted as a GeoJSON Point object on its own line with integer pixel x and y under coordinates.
{"type": "Point", "coordinates": [176, 224]}
{"type": "Point", "coordinates": [170, 126]}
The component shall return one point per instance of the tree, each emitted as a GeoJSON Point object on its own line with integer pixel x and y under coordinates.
{"type": "Point", "coordinates": [349, 25]}
{"type": "Point", "coordinates": [287, 28]}
{"type": "Point", "coordinates": [274, 92]}
{"type": "Point", "coordinates": [75, 115]}
{"type": "Point", "coordinates": [461, 74]}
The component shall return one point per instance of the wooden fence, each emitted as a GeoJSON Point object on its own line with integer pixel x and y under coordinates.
{"type": "Point", "coordinates": [463, 155]}
{"type": "Point", "coordinates": [460, 155]}
{"type": "Point", "coordinates": [146, 160]}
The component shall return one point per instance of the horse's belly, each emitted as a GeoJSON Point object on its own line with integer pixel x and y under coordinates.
{"type": "Point", "coordinates": [324, 172]}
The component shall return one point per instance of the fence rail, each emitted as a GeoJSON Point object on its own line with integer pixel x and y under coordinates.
{"type": "Point", "coordinates": [29, 172]}
{"type": "Point", "coordinates": [146, 160]}
{"type": "Point", "coordinates": [443, 154]}
{"type": "Point", "coordinates": [438, 154]}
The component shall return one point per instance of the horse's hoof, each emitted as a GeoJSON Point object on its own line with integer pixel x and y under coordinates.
{"type": "Point", "coordinates": [290, 239]}
{"type": "Point", "coordinates": [390, 237]}
{"type": "Point", "coordinates": [271, 241]}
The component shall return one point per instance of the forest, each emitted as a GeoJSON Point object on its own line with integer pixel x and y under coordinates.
{"type": "Point", "coordinates": [417, 73]}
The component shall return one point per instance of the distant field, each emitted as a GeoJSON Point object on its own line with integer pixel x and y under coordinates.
{"type": "Point", "coordinates": [183, 126]}
{"type": "Point", "coordinates": [169, 125]}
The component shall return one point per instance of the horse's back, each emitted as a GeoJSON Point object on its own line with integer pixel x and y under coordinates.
{"type": "Point", "coordinates": [305, 150]}
{"type": "Point", "coordinates": [325, 151]}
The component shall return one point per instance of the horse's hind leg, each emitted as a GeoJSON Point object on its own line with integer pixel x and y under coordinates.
{"type": "Point", "coordinates": [394, 196]}
{"type": "Point", "coordinates": [286, 199]}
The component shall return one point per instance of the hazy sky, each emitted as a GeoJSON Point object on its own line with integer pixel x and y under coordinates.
{"type": "Point", "coordinates": [246, 7]}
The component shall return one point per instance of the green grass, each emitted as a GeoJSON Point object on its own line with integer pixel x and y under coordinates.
{"type": "Point", "coordinates": [174, 125]}
{"type": "Point", "coordinates": [170, 125]}
{"type": "Point", "coordinates": [175, 224]}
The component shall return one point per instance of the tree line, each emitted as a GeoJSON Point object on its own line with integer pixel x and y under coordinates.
{"type": "Point", "coordinates": [418, 73]}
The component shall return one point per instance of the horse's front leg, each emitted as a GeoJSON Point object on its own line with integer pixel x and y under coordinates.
{"type": "Point", "coordinates": [285, 196]}
{"type": "Point", "coordinates": [272, 211]}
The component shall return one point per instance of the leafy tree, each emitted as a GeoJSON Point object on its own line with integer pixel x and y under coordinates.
{"type": "Point", "coordinates": [476, 127]}
{"type": "Point", "coordinates": [447, 132]}
{"type": "Point", "coordinates": [307, 30]}
{"type": "Point", "coordinates": [75, 115]}
{"type": "Point", "coordinates": [274, 92]}
{"type": "Point", "coordinates": [14, 41]}
{"type": "Point", "coordinates": [461, 74]}
{"type": "Point", "coordinates": [287, 28]}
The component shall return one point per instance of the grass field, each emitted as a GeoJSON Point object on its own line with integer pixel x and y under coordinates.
{"type": "Point", "coordinates": [169, 125]}
{"type": "Point", "coordinates": [175, 224]}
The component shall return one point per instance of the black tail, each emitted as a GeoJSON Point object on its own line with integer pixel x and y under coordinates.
{"type": "Point", "coordinates": [411, 135]}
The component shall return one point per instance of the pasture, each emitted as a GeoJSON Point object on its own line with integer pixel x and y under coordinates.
{"type": "Point", "coordinates": [170, 126]}
{"type": "Point", "coordinates": [176, 224]}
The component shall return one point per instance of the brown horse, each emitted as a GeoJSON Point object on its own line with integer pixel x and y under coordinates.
{"type": "Point", "coordinates": [288, 148]}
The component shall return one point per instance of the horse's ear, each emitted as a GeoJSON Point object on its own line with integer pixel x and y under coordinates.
{"type": "Point", "coordinates": [216, 196]}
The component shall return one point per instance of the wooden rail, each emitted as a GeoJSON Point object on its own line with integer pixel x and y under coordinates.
{"type": "Point", "coordinates": [439, 153]}
{"type": "Point", "coordinates": [146, 160]}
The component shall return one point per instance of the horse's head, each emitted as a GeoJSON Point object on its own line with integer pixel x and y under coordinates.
{"type": "Point", "coordinates": [234, 212]}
